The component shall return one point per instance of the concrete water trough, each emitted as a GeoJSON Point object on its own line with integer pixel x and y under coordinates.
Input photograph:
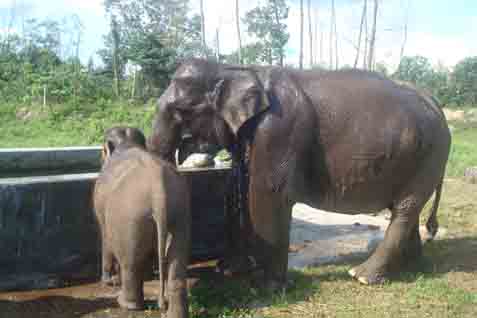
{"type": "Point", "coordinates": [49, 237]}
{"type": "Point", "coordinates": [48, 233]}
{"type": "Point", "coordinates": [41, 161]}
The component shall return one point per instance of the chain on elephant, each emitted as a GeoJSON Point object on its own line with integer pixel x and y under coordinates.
{"type": "Point", "coordinates": [236, 259]}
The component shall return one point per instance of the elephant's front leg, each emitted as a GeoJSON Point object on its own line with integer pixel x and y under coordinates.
{"type": "Point", "coordinates": [270, 216]}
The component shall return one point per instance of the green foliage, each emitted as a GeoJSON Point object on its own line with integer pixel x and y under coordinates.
{"type": "Point", "coordinates": [464, 80]}
{"type": "Point", "coordinates": [416, 69]}
{"type": "Point", "coordinates": [451, 88]}
{"type": "Point", "coordinates": [267, 23]}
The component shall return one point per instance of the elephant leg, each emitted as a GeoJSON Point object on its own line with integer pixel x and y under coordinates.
{"type": "Point", "coordinates": [178, 259]}
{"type": "Point", "coordinates": [131, 296]}
{"type": "Point", "coordinates": [270, 216]}
{"type": "Point", "coordinates": [107, 263]}
{"type": "Point", "coordinates": [132, 259]}
{"type": "Point", "coordinates": [401, 243]}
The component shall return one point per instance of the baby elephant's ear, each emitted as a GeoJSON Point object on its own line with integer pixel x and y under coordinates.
{"type": "Point", "coordinates": [107, 151]}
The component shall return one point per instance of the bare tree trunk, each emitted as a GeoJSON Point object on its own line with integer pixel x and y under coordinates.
{"type": "Point", "coordinates": [317, 59]}
{"type": "Point", "coordinates": [202, 28]}
{"type": "Point", "coordinates": [363, 16]}
{"type": "Point", "coordinates": [372, 41]}
{"type": "Point", "coordinates": [336, 37]}
{"type": "Point", "coordinates": [277, 21]}
{"type": "Point", "coordinates": [322, 39]}
{"type": "Point", "coordinates": [310, 33]}
{"type": "Point", "coordinates": [217, 43]}
{"type": "Point", "coordinates": [44, 95]}
{"type": "Point", "coordinates": [366, 40]}
{"type": "Point", "coordinates": [115, 34]}
{"type": "Point", "coordinates": [301, 34]}
{"type": "Point", "coordinates": [331, 35]}
{"type": "Point", "coordinates": [133, 86]}
{"type": "Point", "coordinates": [406, 20]}
{"type": "Point", "coordinates": [237, 20]}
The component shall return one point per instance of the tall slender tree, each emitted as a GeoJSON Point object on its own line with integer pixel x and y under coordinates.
{"type": "Point", "coordinates": [310, 33]}
{"type": "Point", "coordinates": [267, 24]}
{"type": "Point", "coordinates": [276, 11]}
{"type": "Point", "coordinates": [404, 40]}
{"type": "Point", "coordinates": [336, 37]}
{"type": "Point", "coordinates": [301, 34]}
{"type": "Point", "coordinates": [372, 41]}
{"type": "Point", "coordinates": [217, 43]}
{"type": "Point", "coordinates": [317, 54]}
{"type": "Point", "coordinates": [363, 16]}
{"type": "Point", "coordinates": [202, 28]}
{"type": "Point", "coordinates": [331, 34]}
{"type": "Point", "coordinates": [366, 40]}
{"type": "Point", "coordinates": [115, 38]}
{"type": "Point", "coordinates": [237, 21]}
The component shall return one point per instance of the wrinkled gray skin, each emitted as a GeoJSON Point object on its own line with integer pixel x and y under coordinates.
{"type": "Point", "coordinates": [143, 207]}
{"type": "Point", "coordinates": [346, 141]}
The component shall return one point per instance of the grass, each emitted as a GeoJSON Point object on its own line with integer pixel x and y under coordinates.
{"type": "Point", "coordinates": [66, 125]}
{"type": "Point", "coordinates": [442, 284]}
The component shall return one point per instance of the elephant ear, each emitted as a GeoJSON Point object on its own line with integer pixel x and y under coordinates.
{"type": "Point", "coordinates": [233, 112]}
{"type": "Point", "coordinates": [291, 119]}
{"type": "Point", "coordinates": [107, 151]}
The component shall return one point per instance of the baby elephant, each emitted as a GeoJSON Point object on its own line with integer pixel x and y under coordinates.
{"type": "Point", "coordinates": [143, 206]}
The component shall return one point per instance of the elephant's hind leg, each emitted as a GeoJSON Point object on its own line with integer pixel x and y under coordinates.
{"type": "Point", "coordinates": [132, 259]}
{"type": "Point", "coordinates": [400, 245]}
{"type": "Point", "coordinates": [402, 242]}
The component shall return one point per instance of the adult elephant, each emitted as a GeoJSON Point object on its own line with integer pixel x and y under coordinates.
{"type": "Point", "coordinates": [347, 141]}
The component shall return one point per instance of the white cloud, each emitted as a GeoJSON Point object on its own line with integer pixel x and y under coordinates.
{"type": "Point", "coordinates": [93, 5]}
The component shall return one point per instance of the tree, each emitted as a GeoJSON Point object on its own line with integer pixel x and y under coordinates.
{"type": "Point", "coordinates": [239, 38]}
{"type": "Point", "coordinates": [251, 54]}
{"type": "Point", "coordinates": [310, 32]}
{"type": "Point", "coordinates": [202, 27]}
{"type": "Point", "coordinates": [406, 20]}
{"type": "Point", "coordinates": [464, 80]}
{"type": "Point", "coordinates": [363, 17]}
{"type": "Point", "coordinates": [372, 41]}
{"type": "Point", "coordinates": [333, 38]}
{"type": "Point", "coordinates": [115, 56]}
{"type": "Point", "coordinates": [415, 69]}
{"type": "Point", "coordinates": [267, 24]}
{"type": "Point", "coordinates": [301, 35]}
{"type": "Point", "coordinates": [155, 34]}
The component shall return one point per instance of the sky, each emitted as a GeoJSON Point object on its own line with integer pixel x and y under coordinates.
{"type": "Point", "coordinates": [442, 30]}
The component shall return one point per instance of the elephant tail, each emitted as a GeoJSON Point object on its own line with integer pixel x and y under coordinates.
{"type": "Point", "coordinates": [159, 210]}
{"type": "Point", "coordinates": [432, 226]}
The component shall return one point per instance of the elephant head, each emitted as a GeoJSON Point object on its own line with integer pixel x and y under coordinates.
{"type": "Point", "coordinates": [121, 137]}
{"type": "Point", "coordinates": [209, 101]}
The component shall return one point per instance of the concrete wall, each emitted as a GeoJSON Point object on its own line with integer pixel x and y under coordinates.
{"type": "Point", "coordinates": [31, 161]}
{"type": "Point", "coordinates": [49, 237]}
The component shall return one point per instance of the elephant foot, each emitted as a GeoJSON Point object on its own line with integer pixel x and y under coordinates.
{"type": "Point", "coordinates": [129, 305]}
{"type": "Point", "coordinates": [277, 286]}
{"type": "Point", "coordinates": [367, 275]}
{"type": "Point", "coordinates": [236, 265]}
{"type": "Point", "coordinates": [111, 280]}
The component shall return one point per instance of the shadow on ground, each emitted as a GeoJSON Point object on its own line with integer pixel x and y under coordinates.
{"type": "Point", "coordinates": [212, 294]}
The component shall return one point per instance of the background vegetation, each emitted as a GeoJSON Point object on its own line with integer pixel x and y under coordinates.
{"type": "Point", "coordinates": [48, 97]}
